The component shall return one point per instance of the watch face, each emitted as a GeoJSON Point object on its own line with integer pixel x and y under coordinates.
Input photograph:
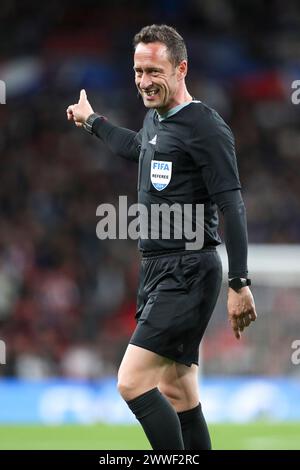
{"type": "Point", "coordinates": [236, 284]}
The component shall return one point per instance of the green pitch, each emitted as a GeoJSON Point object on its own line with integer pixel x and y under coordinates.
{"type": "Point", "coordinates": [102, 437]}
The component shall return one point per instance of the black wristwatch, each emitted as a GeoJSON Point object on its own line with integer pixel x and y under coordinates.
{"type": "Point", "coordinates": [236, 283]}
{"type": "Point", "coordinates": [88, 125]}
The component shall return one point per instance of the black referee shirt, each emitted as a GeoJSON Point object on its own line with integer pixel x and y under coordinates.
{"type": "Point", "coordinates": [185, 158]}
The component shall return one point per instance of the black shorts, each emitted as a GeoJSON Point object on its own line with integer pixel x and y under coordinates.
{"type": "Point", "coordinates": [176, 297]}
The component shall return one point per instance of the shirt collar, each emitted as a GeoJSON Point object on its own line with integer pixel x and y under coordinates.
{"type": "Point", "coordinates": [171, 112]}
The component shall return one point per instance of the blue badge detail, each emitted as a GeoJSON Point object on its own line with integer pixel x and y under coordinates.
{"type": "Point", "coordinates": [160, 173]}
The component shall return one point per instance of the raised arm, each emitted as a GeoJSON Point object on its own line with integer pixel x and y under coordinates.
{"type": "Point", "coordinates": [121, 141]}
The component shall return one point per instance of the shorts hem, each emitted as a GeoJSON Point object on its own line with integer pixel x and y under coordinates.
{"type": "Point", "coordinates": [167, 356]}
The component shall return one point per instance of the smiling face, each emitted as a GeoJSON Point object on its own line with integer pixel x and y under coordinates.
{"type": "Point", "coordinates": [158, 81]}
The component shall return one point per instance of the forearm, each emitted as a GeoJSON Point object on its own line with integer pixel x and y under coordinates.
{"type": "Point", "coordinates": [232, 207]}
{"type": "Point", "coordinates": [121, 141]}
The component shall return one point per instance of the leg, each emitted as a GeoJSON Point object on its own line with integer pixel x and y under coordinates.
{"type": "Point", "coordinates": [179, 383]}
{"type": "Point", "coordinates": [138, 377]}
{"type": "Point", "coordinates": [140, 371]}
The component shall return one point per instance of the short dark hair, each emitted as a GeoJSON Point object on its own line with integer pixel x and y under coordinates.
{"type": "Point", "coordinates": [166, 35]}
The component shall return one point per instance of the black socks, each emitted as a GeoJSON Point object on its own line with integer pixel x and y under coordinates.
{"type": "Point", "coordinates": [163, 428]}
{"type": "Point", "coordinates": [159, 420]}
{"type": "Point", "coordinates": [194, 429]}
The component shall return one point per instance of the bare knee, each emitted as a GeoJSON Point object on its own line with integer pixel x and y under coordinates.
{"type": "Point", "coordinates": [127, 387]}
{"type": "Point", "coordinates": [139, 372]}
{"type": "Point", "coordinates": [132, 383]}
{"type": "Point", "coordinates": [181, 398]}
{"type": "Point", "coordinates": [170, 391]}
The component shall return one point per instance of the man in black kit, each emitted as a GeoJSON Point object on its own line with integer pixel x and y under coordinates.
{"type": "Point", "coordinates": [186, 156]}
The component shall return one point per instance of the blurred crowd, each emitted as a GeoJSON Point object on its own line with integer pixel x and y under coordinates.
{"type": "Point", "coordinates": [67, 299]}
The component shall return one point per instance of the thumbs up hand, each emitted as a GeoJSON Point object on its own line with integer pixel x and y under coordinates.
{"type": "Point", "coordinates": [81, 111]}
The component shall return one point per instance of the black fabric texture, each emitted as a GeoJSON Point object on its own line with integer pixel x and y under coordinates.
{"type": "Point", "coordinates": [158, 419]}
{"type": "Point", "coordinates": [194, 429]}
{"type": "Point", "coordinates": [232, 207]}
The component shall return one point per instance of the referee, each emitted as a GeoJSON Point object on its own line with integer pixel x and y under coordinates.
{"type": "Point", "coordinates": [186, 155]}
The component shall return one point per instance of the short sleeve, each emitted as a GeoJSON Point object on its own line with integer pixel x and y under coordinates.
{"type": "Point", "coordinates": [213, 150]}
